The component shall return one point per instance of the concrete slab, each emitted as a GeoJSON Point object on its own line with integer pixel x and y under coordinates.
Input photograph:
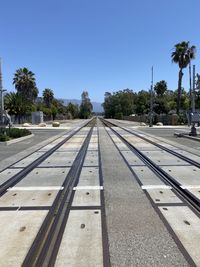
{"type": "Point", "coordinates": [81, 244]}
{"type": "Point", "coordinates": [122, 146]}
{"type": "Point", "coordinates": [77, 139]}
{"type": "Point", "coordinates": [189, 155]}
{"type": "Point", "coordinates": [94, 141]}
{"type": "Point", "coordinates": [185, 175]}
{"type": "Point", "coordinates": [166, 145]}
{"type": "Point", "coordinates": [70, 146]}
{"type": "Point", "coordinates": [45, 177]}
{"type": "Point", "coordinates": [186, 226]}
{"type": "Point", "coordinates": [132, 158]}
{"type": "Point", "coordinates": [146, 176]}
{"type": "Point", "coordinates": [115, 138]}
{"type": "Point", "coordinates": [51, 145]}
{"type": "Point", "coordinates": [163, 196]}
{"type": "Point", "coordinates": [164, 158]}
{"type": "Point", "coordinates": [22, 198]}
{"type": "Point", "coordinates": [91, 159]}
{"type": "Point", "coordinates": [147, 147]}
{"type": "Point", "coordinates": [7, 174]}
{"type": "Point", "coordinates": [89, 176]}
{"type": "Point", "coordinates": [18, 230]}
{"type": "Point", "coordinates": [26, 161]}
{"type": "Point", "coordinates": [86, 197]}
{"type": "Point", "coordinates": [93, 146]}
{"type": "Point", "coordinates": [134, 140]}
{"type": "Point", "coordinates": [59, 159]}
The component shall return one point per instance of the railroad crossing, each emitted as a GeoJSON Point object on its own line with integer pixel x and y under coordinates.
{"type": "Point", "coordinates": [101, 193]}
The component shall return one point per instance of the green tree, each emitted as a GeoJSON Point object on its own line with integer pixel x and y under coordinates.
{"type": "Point", "coordinates": [107, 105]}
{"type": "Point", "coordinates": [25, 84]}
{"type": "Point", "coordinates": [48, 96]}
{"type": "Point", "coordinates": [59, 104]}
{"type": "Point", "coordinates": [160, 88]}
{"type": "Point", "coordinates": [182, 55]}
{"type": "Point", "coordinates": [86, 106]}
{"type": "Point", "coordinates": [17, 105]}
{"type": "Point", "coordinates": [142, 102]}
{"type": "Point", "coordinates": [73, 110]}
{"type": "Point", "coordinates": [54, 111]}
{"type": "Point", "coordinates": [119, 104]}
{"type": "Point", "coordinates": [160, 101]}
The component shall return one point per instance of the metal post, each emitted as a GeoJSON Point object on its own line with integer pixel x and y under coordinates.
{"type": "Point", "coordinates": [1, 96]}
{"type": "Point", "coordinates": [193, 129]}
{"type": "Point", "coordinates": [190, 81]}
{"type": "Point", "coordinates": [193, 90]}
{"type": "Point", "coordinates": [151, 100]}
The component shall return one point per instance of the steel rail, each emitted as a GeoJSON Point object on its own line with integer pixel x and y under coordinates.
{"type": "Point", "coordinates": [44, 249]}
{"type": "Point", "coordinates": [190, 198]}
{"type": "Point", "coordinates": [20, 175]}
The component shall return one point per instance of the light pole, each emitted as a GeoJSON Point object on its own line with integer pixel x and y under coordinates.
{"type": "Point", "coordinates": [151, 100]}
{"type": "Point", "coordinates": [193, 129]}
{"type": "Point", "coordinates": [1, 96]}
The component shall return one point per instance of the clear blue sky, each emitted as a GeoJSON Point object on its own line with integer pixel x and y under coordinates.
{"type": "Point", "coordinates": [97, 45]}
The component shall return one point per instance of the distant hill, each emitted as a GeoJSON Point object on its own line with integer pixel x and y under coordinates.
{"type": "Point", "coordinates": [96, 106]}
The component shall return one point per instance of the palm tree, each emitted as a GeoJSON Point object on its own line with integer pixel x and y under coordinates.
{"type": "Point", "coordinates": [17, 105]}
{"type": "Point", "coordinates": [48, 96]}
{"type": "Point", "coordinates": [25, 84]}
{"type": "Point", "coordinates": [182, 55]}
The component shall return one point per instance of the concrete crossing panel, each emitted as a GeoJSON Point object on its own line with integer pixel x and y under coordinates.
{"type": "Point", "coordinates": [18, 230]}
{"type": "Point", "coordinates": [81, 244]}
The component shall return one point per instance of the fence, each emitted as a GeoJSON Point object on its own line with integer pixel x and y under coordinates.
{"type": "Point", "coordinates": [164, 118]}
{"type": "Point", "coordinates": [28, 118]}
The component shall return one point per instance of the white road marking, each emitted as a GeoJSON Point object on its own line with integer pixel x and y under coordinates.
{"type": "Point", "coordinates": [156, 187]}
{"type": "Point", "coordinates": [88, 187]}
{"type": "Point", "coordinates": [190, 186]}
{"type": "Point", "coordinates": [35, 188]}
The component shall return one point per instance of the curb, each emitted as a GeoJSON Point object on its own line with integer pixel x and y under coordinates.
{"type": "Point", "coordinates": [16, 140]}
{"type": "Point", "coordinates": [187, 136]}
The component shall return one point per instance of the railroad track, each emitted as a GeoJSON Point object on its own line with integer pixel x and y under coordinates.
{"type": "Point", "coordinates": [166, 177]}
{"type": "Point", "coordinates": [47, 245]}
{"type": "Point", "coordinates": [40, 157]}
{"type": "Point", "coordinates": [168, 186]}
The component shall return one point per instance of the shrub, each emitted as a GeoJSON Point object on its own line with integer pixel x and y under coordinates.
{"type": "Point", "coordinates": [3, 138]}
{"type": "Point", "coordinates": [119, 116]}
{"type": "Point", "coordinates": [16, 133]}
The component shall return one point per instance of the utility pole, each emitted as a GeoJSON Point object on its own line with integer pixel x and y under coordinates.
{"type": "Point", "coordinates": [1, 96]}
{"type": "Point", "coordinates": [193, 115]}
{"type": "Point", "coordinates": [193, 90]}
{"type": "Point", "coordinates": [190, 81]}
{"type": "Point", "coordinates": [151, 100]}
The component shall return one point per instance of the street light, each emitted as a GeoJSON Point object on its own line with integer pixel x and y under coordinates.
{"type": "Point", "coordinates": [195, 117]}
{"type": "Point", "coordinates": [2, 96]}
{"type": "Point", "coordinates": [151, 100]}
